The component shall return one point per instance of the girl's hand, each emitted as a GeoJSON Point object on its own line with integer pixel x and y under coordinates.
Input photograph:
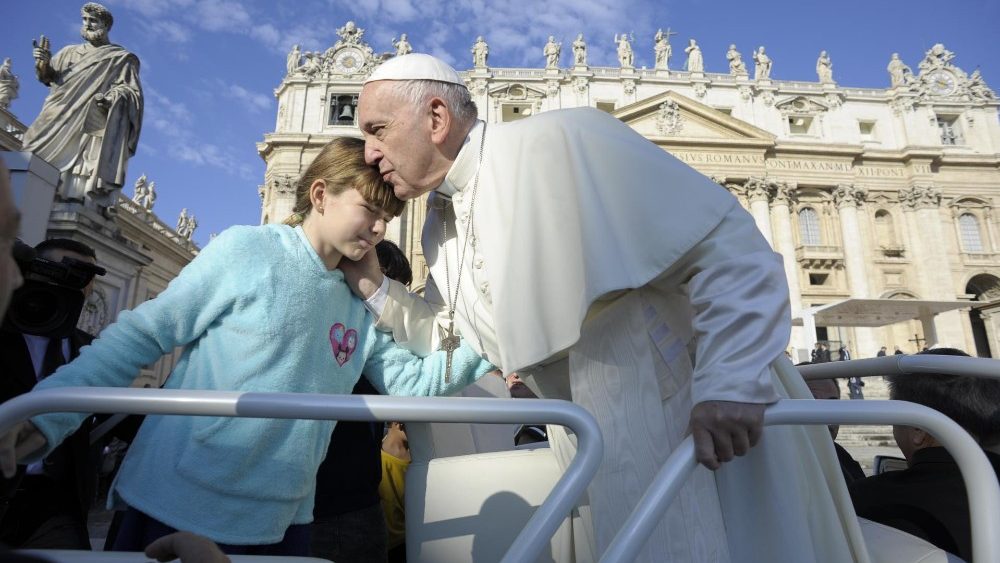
{"type": "Point", "coordinates": [364, 276]}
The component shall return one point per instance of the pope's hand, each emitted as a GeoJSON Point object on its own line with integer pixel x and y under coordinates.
{"type": "Point", "coordinates": [188, 547]}
{"type": "Point", "coordinates": [364, 276]}
{"type": "Point", "coordinates": [22, 440]}
{"type": "Point", "coordinates": [725, 429]}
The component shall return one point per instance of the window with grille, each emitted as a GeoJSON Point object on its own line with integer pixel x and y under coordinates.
{"type": "Point", "coordinates": [968, 225]}
{"type": "Point", "coordinates": [809, 227]}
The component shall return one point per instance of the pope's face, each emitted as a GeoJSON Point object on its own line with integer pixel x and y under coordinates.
{"type": "Point", "coordinates": [398, 140]}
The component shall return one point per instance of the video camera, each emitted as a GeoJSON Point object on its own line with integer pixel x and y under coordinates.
{"type": "Point", "coordinates": [50, 301]}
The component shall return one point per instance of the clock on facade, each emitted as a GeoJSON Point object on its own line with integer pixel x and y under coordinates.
{"type": "Point", "coordinates": [348, 61]}
{"type": "Point", "coordinates": [942, 83]}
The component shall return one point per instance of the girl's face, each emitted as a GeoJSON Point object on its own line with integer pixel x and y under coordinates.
{"type": "Point", "coordinates": [344, 225]}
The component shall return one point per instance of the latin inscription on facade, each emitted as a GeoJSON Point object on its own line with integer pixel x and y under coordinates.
{"type": "Point", "coordinates": [802, 165]}
{"type": "Point", "coordinates": [720, 158]}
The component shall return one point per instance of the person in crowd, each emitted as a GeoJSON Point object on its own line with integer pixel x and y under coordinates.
{"type": "Point", "coordinates": [558, 270]}
{"type": "Point", "coordinates": [855, 388]}
{"type": "Point", "coordinates": [843, 354]}
{"type": "Point", "coordinates": [47, 502]}
{"type": "Point", "coordinates": [259, 309]}
{"type": "Point", "coordinates": [897, 351]}
{"type": "Point", "coordinates": [348, 522]}
{"type": "Point", "coordinates": [829, 389]}
{"type": "Point", "coordinates": [392, 489]}
{"type": "Point", "coordinates": [881, 352]}
{"type": "Point", "coordinates": [928, 499]}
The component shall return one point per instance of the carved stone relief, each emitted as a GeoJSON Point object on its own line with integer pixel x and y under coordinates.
{"type": "Point", "coordinates": [919, 197]}
{"type": "Point", "coordinates": [668, 118]}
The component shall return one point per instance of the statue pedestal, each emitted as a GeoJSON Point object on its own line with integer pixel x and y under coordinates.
{"type": "Point", "coordinates": [34, 183]}
{"type": "Point", "coordinates": [580, 68]}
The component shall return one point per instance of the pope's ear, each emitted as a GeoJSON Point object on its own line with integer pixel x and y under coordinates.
{"type": "Point", "coordinates": [441, 120]}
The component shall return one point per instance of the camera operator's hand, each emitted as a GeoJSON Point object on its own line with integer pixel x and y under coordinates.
{"type": "Point", "coordinates": [21, 441]}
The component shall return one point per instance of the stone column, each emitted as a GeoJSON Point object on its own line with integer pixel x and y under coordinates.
{"type": "Point", "coordinates": [784, 244]}
{"type": "Point", "coordinates": [924, 202]}
{"type": "Point", "coordinates": [848, 198]}
{"type": "Point", "coordinates": [990, 232]}
{"type": "Point", "coordinates": [758, 195]}
{"type": "Point", "coordinates": [929, 328]}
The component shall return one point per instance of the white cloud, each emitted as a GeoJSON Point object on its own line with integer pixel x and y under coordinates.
{"type": "Point", "coordinates": [170, 31]}
{"type": "Point", "coordinates": [175, 122]}
{"type": "Point", "coordinates": [221, 15]}
{"type": "Point", "coordinates": [253, 101]}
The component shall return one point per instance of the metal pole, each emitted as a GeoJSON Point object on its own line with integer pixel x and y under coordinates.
{"type": "Point", "coordinates": [528, 545]}
{"type": "Point", "coordinates": [981, 481]}
{"type": "Point", "coordinates": [898, 364]}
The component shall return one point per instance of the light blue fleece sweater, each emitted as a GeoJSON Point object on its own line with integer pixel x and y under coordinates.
{"type": "Point", "coordinates": [255, 311]}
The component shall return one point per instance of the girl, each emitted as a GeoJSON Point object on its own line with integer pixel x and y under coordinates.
{"type": "Point", "coordinates": [260, 309]}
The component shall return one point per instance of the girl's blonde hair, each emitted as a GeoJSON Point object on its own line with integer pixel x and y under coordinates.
{"type": "Point", "coordinates": [341, 164]}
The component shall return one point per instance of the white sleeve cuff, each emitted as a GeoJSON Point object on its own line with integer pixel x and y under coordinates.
{"type": "Point", "coordinates": [376, 303]}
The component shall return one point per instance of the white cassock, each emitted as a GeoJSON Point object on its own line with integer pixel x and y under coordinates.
{"type": "Point", "coordinates": [621, 278]}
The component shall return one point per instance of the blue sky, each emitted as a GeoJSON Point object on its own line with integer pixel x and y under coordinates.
{"type": "Point", "coordinates": [209, 67]}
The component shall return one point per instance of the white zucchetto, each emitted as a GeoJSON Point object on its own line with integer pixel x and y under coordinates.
{"type": "Point", "coordinates": [416, 66]}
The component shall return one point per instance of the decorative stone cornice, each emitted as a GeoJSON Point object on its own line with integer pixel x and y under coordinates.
{"type": "Point", "coordinates": [920, 197]}
{"type": "Point", "coordinates": [849, 195]}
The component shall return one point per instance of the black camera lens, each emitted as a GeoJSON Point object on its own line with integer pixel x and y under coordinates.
{"type": "Point", "coordinates": [44, 309]}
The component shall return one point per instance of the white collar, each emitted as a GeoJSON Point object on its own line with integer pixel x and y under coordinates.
{"type": "Point", "coordinates": [463, 170]}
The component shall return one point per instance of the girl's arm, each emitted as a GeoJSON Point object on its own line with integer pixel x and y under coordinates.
{"type": "Point", "coordinates": [203, 291]}
{"type": "Point", "coordinates": [393, 370]}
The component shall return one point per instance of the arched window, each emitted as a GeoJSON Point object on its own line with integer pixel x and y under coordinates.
{"type": "Point", "coordinates": [884, 229]}
{"type": "Point", "coordinates": [809, 227]}
{"type": "Point", "coordinates": [968, 225]}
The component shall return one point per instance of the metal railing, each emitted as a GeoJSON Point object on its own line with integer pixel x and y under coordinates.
{"type": "Point", "coordinates": [981, 481]}
{"type": "Point", "coordinates": [528, 545]}
{"type": "Point", "coordinates": [903, 363]}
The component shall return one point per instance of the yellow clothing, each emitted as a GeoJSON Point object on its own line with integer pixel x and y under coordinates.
{"type": "Point", "coordinates": [391, 491]}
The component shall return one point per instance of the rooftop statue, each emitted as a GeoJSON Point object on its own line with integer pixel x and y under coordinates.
{"type": "Point", "coordinates": [8, 84]}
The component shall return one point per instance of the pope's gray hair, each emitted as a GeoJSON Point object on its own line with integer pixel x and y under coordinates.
{"type": "Point", "coordinates": [455, 96]}
{"type": "Point", "coordinates": [100, 12]}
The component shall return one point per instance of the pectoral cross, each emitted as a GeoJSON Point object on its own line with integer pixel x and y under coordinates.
{"type": "Point", "coordinates": [449, 343]}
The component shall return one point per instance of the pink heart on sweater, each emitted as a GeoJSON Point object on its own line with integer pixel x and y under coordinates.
{"type": "Point", "coordinates": [343, 341]}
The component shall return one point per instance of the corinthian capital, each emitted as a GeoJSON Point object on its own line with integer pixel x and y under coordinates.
{"type": "Point", "coordinates": [919, 197]}
{"type": "Point", "coordinates": [849, 195]}
{"type": "Point", "coordinates": [757, 189]}
{"type": "Point", "coordinates": [784, 193]}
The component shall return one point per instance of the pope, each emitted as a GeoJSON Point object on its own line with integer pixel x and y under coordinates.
{"type": "Point", "coordinates": [568, 248]}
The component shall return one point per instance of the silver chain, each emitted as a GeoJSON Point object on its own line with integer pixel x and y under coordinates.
{"type": "Point", "coordinates": [453, 301]}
